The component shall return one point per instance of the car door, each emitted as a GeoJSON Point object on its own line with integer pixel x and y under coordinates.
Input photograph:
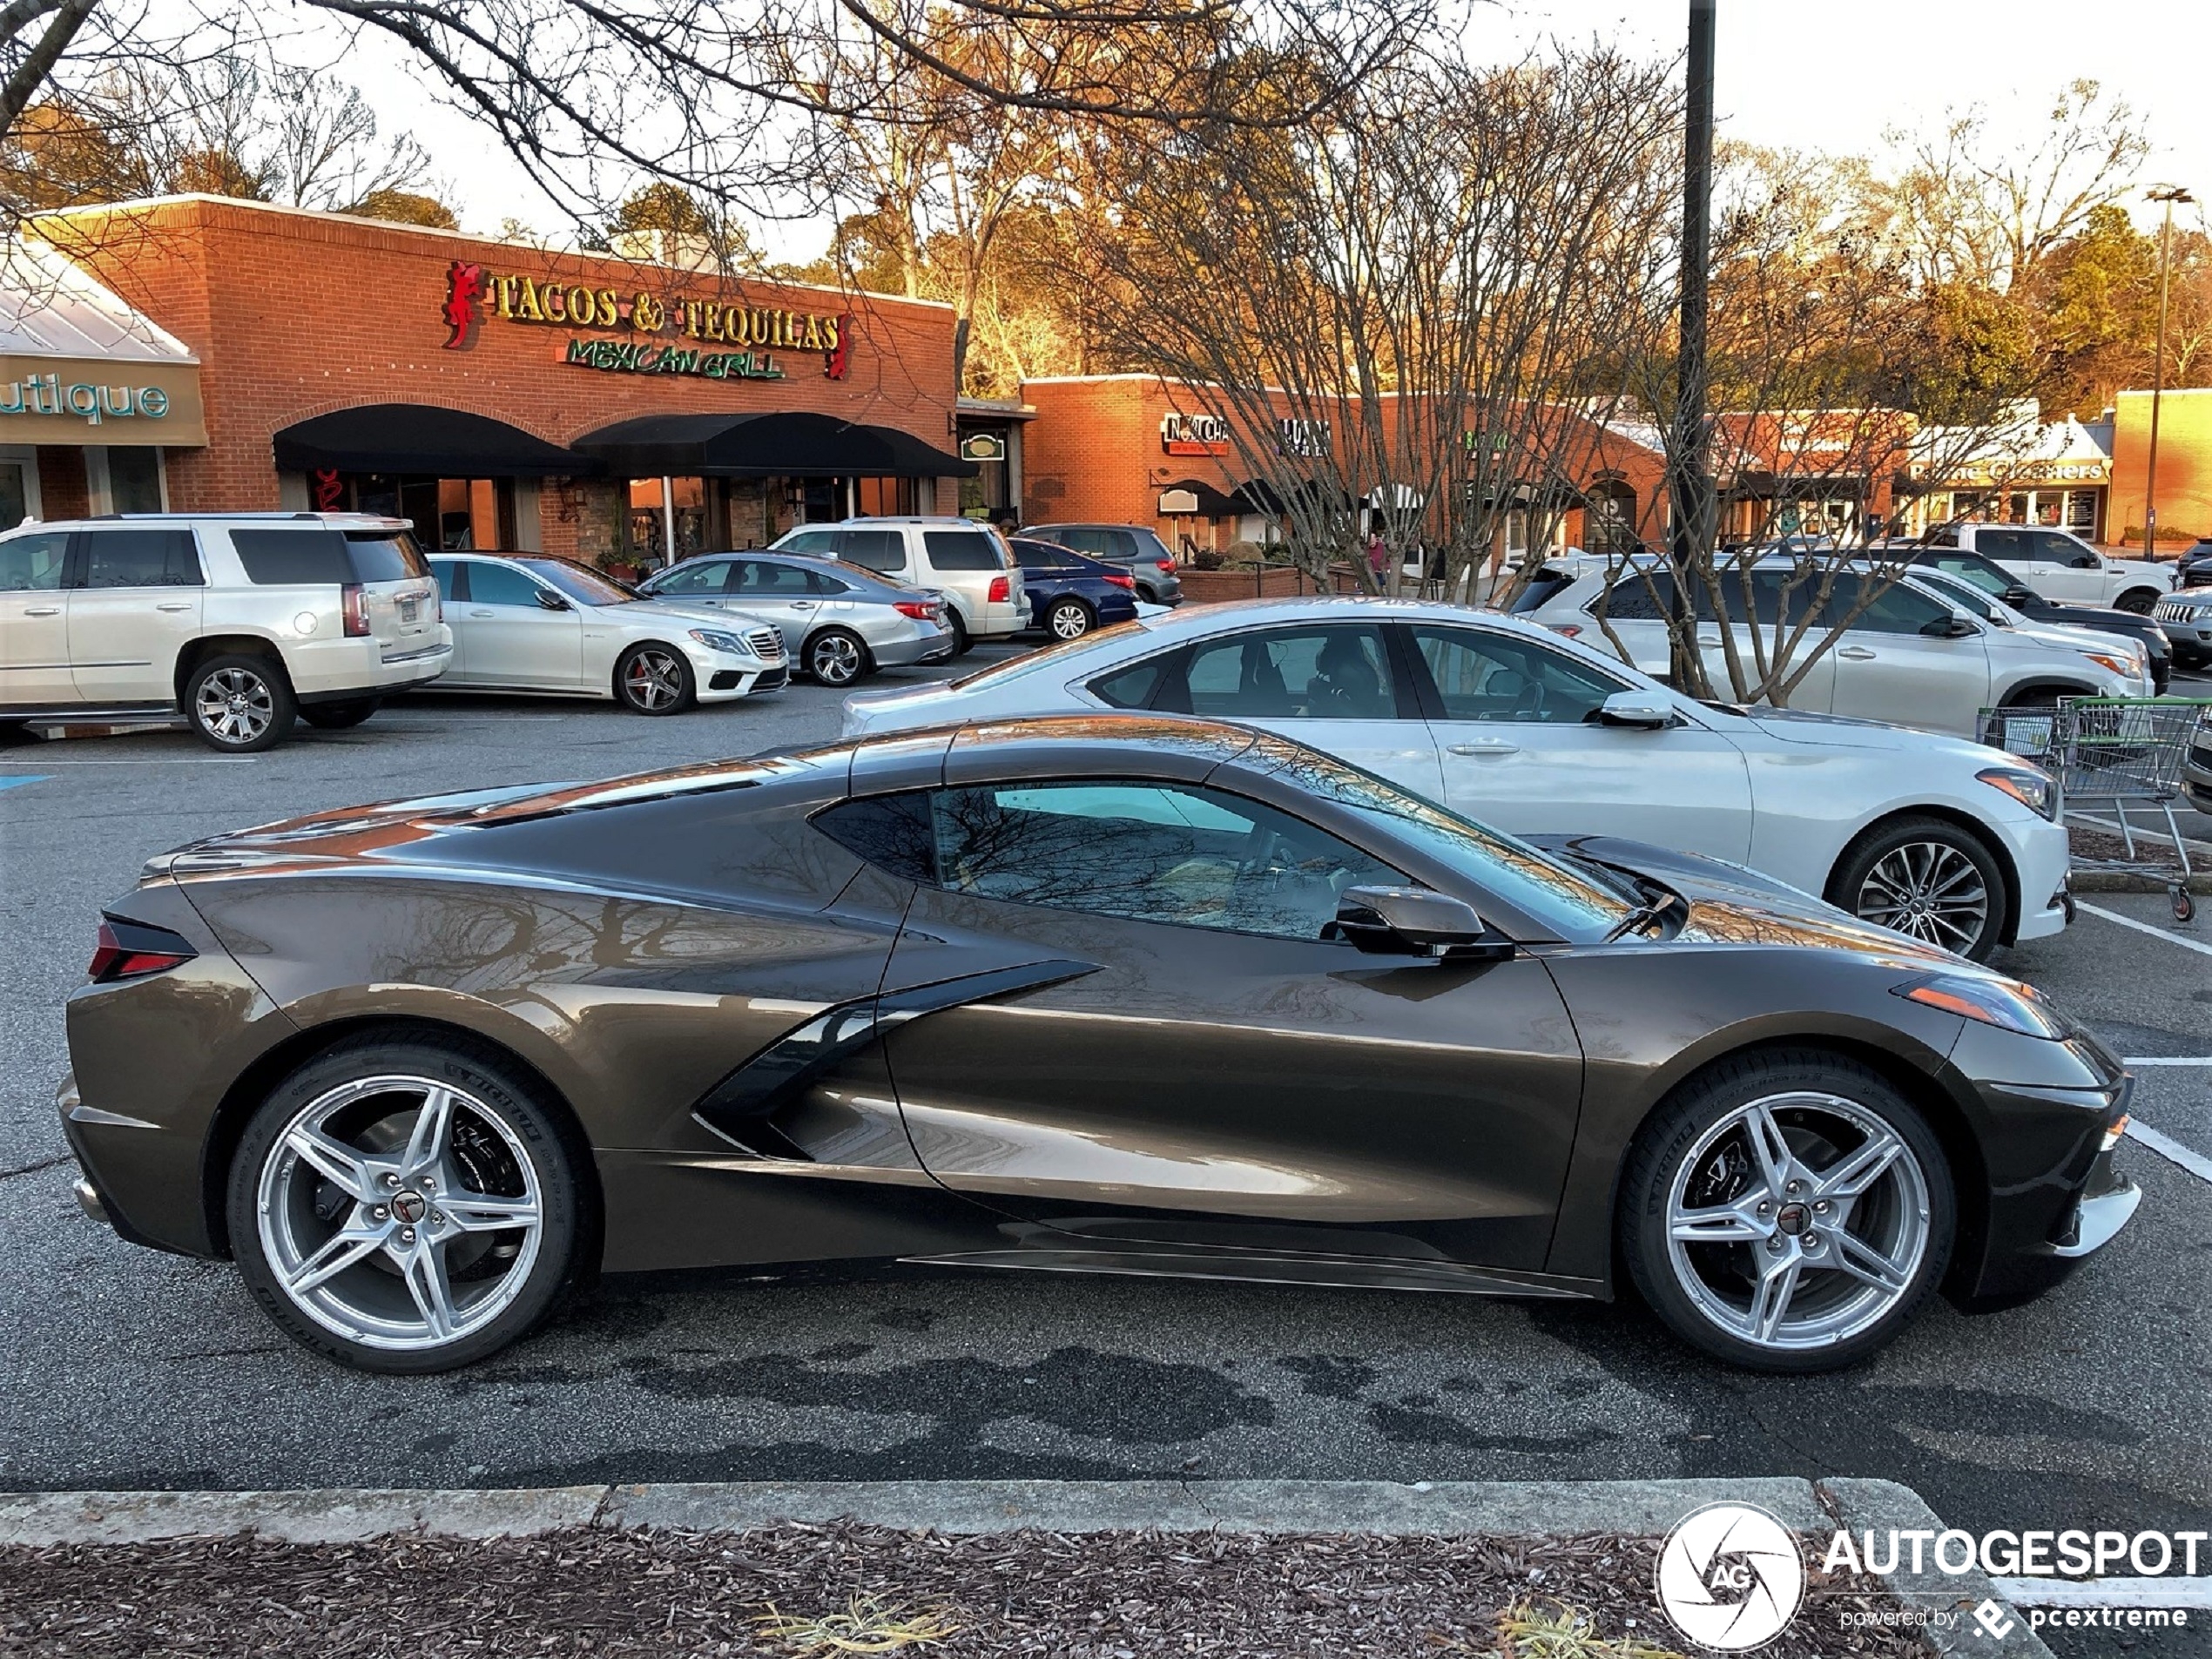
{"type": "Point", "coordinates": [783, 596]}
{"type": "Point", "coordinates": [514, 638]}
{"type": "Point", "coordinates": [452, 577]}
{"type": "Point", "coordinates": [1514, 725]}
{"type": "Point", "coordinates": [1898, 663]}
{"type": "Point", "coordinates": [1331, 684]}
{"type": "Point", "coordinates": [1197, 1066]}
{"type": "Point", "coordinates": [34, 621]}
{"type": "Point", "coordinates": [2038, 561]}
{"type": "Point", "coordinates": [694, 582]}
{"type": "Point", "coordinates": [135, 601]}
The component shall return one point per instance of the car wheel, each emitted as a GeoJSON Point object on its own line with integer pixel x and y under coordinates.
{"type": "Point", "coordinates": [239, 704]}
{"type": "Point", "coordinates": [836, 658]}
{"type": "Point", "coordinates": [962, 643]}
{"type": "Point", "coordinates": [337, 717]}
{"type": "Point", "coordinates": [405, 1206]}
{"type": "Point", "coordinates": [1928, 878]}
{"type": "Point", "coordinates": [653, 679]}
{"type": "Point", "coordinates": [2141, 601]}
{"type": "Point", "coordinates": [1787, 1211]}
{"type": "Point", "coordinates": [1068, 619]}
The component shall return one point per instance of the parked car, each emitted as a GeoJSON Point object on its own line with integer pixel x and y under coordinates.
{"type": "Point", "coordinates": [2196, 769]}
{"type": "Point", "coordinates": [2097, 646]}
{"type": "Point", "coordinates": [969, 563]}
{"type": "Point", "coordinates": [1999, 583]}
{"type": "Point", "coordinates": [1536, 734]}
{"type": "Point", "coordinates": [839, 622]}
{"type": "Point", "coordinates": [236, 622]}
{"type": "Point", "coordinates": [1909, 659]}
{"type": "Point", "coordinates": [1070, 595]}
{"type": "Point", "coordinates": [523, 621]}
{"type": "Point", "coordinates": [1137, 549]}
{"type": "Point", "coordinates": [1121, 994]}
{"type": "Point", "coordinates": [2194, 568]}
{"type": "Point", "coordinates": [2187, 618]}
{"type": "Point", "coordinates": [2060, 566]}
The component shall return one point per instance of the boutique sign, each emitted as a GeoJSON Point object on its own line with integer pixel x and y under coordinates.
{"type": "Point", "coordinates": [651, 334]}
{"type": "Point", "coordinates": [94, 401]}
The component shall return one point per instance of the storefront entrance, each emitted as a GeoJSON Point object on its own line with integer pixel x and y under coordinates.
{"type": "Point", "coordinates": [448, 514]}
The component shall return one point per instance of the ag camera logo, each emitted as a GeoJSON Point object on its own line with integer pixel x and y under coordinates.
{"type": "Point", "coordinates": [1731, 1577]}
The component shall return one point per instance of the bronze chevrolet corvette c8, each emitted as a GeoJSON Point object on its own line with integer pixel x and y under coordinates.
{"type": "Point", "coordinates": [1107, 994]}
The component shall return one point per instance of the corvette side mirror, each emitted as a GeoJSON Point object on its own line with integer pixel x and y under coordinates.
{"type": "Point", "coordinates": [1412, 921]}
{"type": "Point", "coordinates": [1639, 710]}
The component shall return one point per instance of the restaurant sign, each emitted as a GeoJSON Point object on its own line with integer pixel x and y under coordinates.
{"type": "Point", "coordinates": [1193, 434]}
{"type": "Point", "coordinates": [475, 294]}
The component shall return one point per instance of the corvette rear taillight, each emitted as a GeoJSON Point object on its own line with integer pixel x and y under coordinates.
{"type": "Point", "coordinates": [130, 949]}
{"type": "Point", "coordinates": [920, 610]}
{"type": "Point", "coordinates": [1000, 591]}
{"type": "Point", "coordinates": [355, 604]}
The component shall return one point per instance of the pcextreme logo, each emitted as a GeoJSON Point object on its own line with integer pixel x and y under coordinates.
{"type": "Point", "coordinates": [1731, 1577]}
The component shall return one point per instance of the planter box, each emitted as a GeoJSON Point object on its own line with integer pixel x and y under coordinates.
{"type": "Point", "coordinates": [1212, 587]}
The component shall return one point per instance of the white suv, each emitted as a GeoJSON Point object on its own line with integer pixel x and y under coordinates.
{"type": "Point", "coordinates": [238, 622]}
{"type": "Point", "coordinates": [969, 563]}
{"type": "Point", "coordinates": [2061, 565]}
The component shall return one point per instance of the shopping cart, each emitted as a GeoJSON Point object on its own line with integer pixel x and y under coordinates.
{"type": "Point", "coordinates": [2120, 752]}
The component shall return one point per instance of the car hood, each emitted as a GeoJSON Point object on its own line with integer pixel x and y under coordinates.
{"type": "Point", "coordinates": [1842, 732]}
{"type": "Point", "coordinates": [1730, 905]}
{"type": "Point", "coordinates": [650, 611]}
{"type": "Point", "coordinates": [2161, 572]}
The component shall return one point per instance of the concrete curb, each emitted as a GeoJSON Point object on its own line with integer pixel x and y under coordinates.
{"type": "Point", "coordinates": [1859, 1505]}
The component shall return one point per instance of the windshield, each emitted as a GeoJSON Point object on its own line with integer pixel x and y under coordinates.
{"type": "Point", "coordinates": [1049, 656]}
{"type": "Point", "coordinates": [1572, 901]}
{"type": "Point", "coordinates": [583, 585]}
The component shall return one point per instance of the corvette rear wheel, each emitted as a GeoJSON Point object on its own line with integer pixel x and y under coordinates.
{"type": "Point", "coordinates": [404, 1206]}
{"type": "Point", "coordinates": [1788, 1212]}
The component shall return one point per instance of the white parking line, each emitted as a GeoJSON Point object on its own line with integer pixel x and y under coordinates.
{"type": "Point", "coordinates": [2106, 1592]}
{"type": "Point", "coordinates": [2167, 1059]}
{"type": "Point", "coordinates": [2171, 1150]}
{"type": "Point", "coordinates": [163, 760]}
{"type": "Point", "coordinates": [2196, 945]}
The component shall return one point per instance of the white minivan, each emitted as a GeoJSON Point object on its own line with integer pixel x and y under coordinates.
{"type": "Point", "coordinates": [239, 623]}
{"type": "Point", "coordinates": [969, 563]}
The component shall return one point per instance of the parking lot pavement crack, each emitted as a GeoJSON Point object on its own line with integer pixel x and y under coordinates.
{"type": "Point", "coordinates": [33, 1168]}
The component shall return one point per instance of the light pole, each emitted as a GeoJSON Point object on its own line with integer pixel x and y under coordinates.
{"type": "Point", "coordinates": [2169, 194]}
{"type": "Point", "coordinates": [1689, 487]}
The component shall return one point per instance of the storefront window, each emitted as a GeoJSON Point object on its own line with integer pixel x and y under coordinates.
{"type": "Point", "coordinates": [15, 493]}
{"type": "Point", "coordinates": [133, 480]}
{"type": "Point", "coordinates": [448, 514]}
{"type": "Point", "coordinates": [694, 504]}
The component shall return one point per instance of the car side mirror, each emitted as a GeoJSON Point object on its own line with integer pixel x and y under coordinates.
{"type": "Point", "coordinates": [1949, 628]}
{"type": "Point", "coordinates": [1412, 921]}
{"type": "Point", "coordinates": [2020, 594]}
{"type": "Point", "coordinates": [549, 600]}
{"type": "Point", "coordinates": [1638, 710]}
{"type": "Point", "coordinates": [2086, 561]}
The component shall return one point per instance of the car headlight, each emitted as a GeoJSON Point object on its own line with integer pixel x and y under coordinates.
{"type": "Point", "coordinates": [715, 639]}
{"type": "Point", "coordinates": [2006, 1003]}
{"type": "Point", "coordinates": [2128, 668]}
{"type": "Point", "coordinates": [2033, 789]}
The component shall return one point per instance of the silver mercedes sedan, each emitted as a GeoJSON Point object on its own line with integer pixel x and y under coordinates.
{"type": "Point", "coordinates": [839, 622]}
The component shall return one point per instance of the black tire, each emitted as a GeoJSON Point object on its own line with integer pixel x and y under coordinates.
{"type": "Point", "coordinates": [494, 1089]}
{"type": "Point", "coordinates": [962, 642]}
{"type": "Point", "coordinates": [1674, 1146]}
{"type": "Point", "coordinates": [2140, 601]}
{"type": "Point", "coordinates": [837, 656]}
{"type": "Point", "coordinates": [1068, 619]}
{"type": "Point", "coordinates": [653, 678]}
{"type": "Point", "coordinates": [238, 703]}
{"type": "Point", "coordinates": [1866, 880]}
{"type": "Point", "coordinates": [338, 717]}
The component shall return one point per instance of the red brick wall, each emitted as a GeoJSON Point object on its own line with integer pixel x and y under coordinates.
{"type": "Point", "coordinates": [64, 490]}
{"type": "Point", "coordinates": [295, 315]}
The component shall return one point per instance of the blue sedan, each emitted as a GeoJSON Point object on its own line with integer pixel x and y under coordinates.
{"type": "Point", "coordinates": [1070, 595]}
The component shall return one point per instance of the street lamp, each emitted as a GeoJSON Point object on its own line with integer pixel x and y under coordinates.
{"type": "Point", "coordinates": [2168, 195]}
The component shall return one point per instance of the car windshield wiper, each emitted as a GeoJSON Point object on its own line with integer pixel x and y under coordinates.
{"type": "Point", "coordinates": [1645, 916]}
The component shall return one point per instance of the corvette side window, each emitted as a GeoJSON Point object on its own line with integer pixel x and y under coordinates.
{"type": "Point", "coordinates": [1148, 851]}
{"type": "Point", "coordinates": [891, 832]}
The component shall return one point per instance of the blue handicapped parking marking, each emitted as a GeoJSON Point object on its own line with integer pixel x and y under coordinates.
{"type": "Point", "coordinates": [28, 777]}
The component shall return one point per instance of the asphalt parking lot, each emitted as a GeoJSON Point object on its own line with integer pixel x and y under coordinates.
{"type": "Point", "coordinates": [121, 1368]}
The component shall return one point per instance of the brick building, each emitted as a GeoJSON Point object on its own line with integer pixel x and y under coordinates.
{"type": "Point", "coordinates": [2184, 468]}
{"type": "Point", "coordinates": [501, 395]}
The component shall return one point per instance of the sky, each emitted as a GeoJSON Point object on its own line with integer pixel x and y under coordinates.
{"type": "Point", "coordinates": [1788, 74]}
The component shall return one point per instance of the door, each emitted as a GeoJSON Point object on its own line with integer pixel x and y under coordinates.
{"type": "Point", "coordinates": [134, 603]}
{"type": "Point", "coordinates": [1513, 723]}
{"type": "Point", "coordinates": [1209, 1072]}
{"type": "Point", "coordinates": [694, 582]}
{"type": "Point", "coordinates": [1895, 664]}
{"type": "Point", "coordinates": [514, 639]}
{"type": "Point", "coordinates": [1767, 608]}
{"type": "Point", "coordinates": [34, 622]}
{"type": "Point", "coordinates": [452, 577]}
{"type": "Point", "coordinates": [2046, 563]}
{"type": "Point", "coordinates": [784, 596]}
{"type": "Point", "coordinates": [1331, 685]}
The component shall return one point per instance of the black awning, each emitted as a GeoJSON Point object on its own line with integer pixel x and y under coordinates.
{"type": "Point", "coordinates": [1212, 502]}
{"type": "Point", "coordinates": [795, 445]}
{"type": "Point", "coordinates": [420, 438]}
{"type": "Point", "coordinates": [1307, 495]}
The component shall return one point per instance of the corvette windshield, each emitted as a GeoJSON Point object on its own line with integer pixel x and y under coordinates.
{"type": "Point", "coordinates": [1574, 901]}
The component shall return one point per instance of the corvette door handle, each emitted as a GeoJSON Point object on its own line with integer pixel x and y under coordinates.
{"type": "Point", "coordinates": [1489, 746]}
{"type": "Point", "coordinates": [1855, 654]}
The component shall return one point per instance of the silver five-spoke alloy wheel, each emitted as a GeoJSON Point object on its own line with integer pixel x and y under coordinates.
{"type": "Point", "coordinates": [1797, 1221]}
{"type": "Point", "coordinates": [400, 1213]}
{"type": "Point", "coordinates": [834, 659]}
{"type": "Point", "coordinates": [1928, 891]}
{"type": "Point", "coordinates": [235, 706]}
{"type": "Point", "coordinates": [653, 679]}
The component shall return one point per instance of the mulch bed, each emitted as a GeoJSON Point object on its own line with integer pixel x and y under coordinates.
{"type": "Point", "coordinates": [1122, 1595]}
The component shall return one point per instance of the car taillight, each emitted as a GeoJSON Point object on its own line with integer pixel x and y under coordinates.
{"type": "Point", "coordinates": [128, 950]}
{"type": "Point", "coordinates": [1000, 591]}
{"type": "Point", "coordinates": [1166, 565]}
{"type": "Point", "coordinates": [356, 604]}
{"type": "Point", "coordinates": [1121, 581]}
{"type": "Point", "coordinates": [921, 609]}
{"type": "Point", "coordinates": [1566, 630]}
